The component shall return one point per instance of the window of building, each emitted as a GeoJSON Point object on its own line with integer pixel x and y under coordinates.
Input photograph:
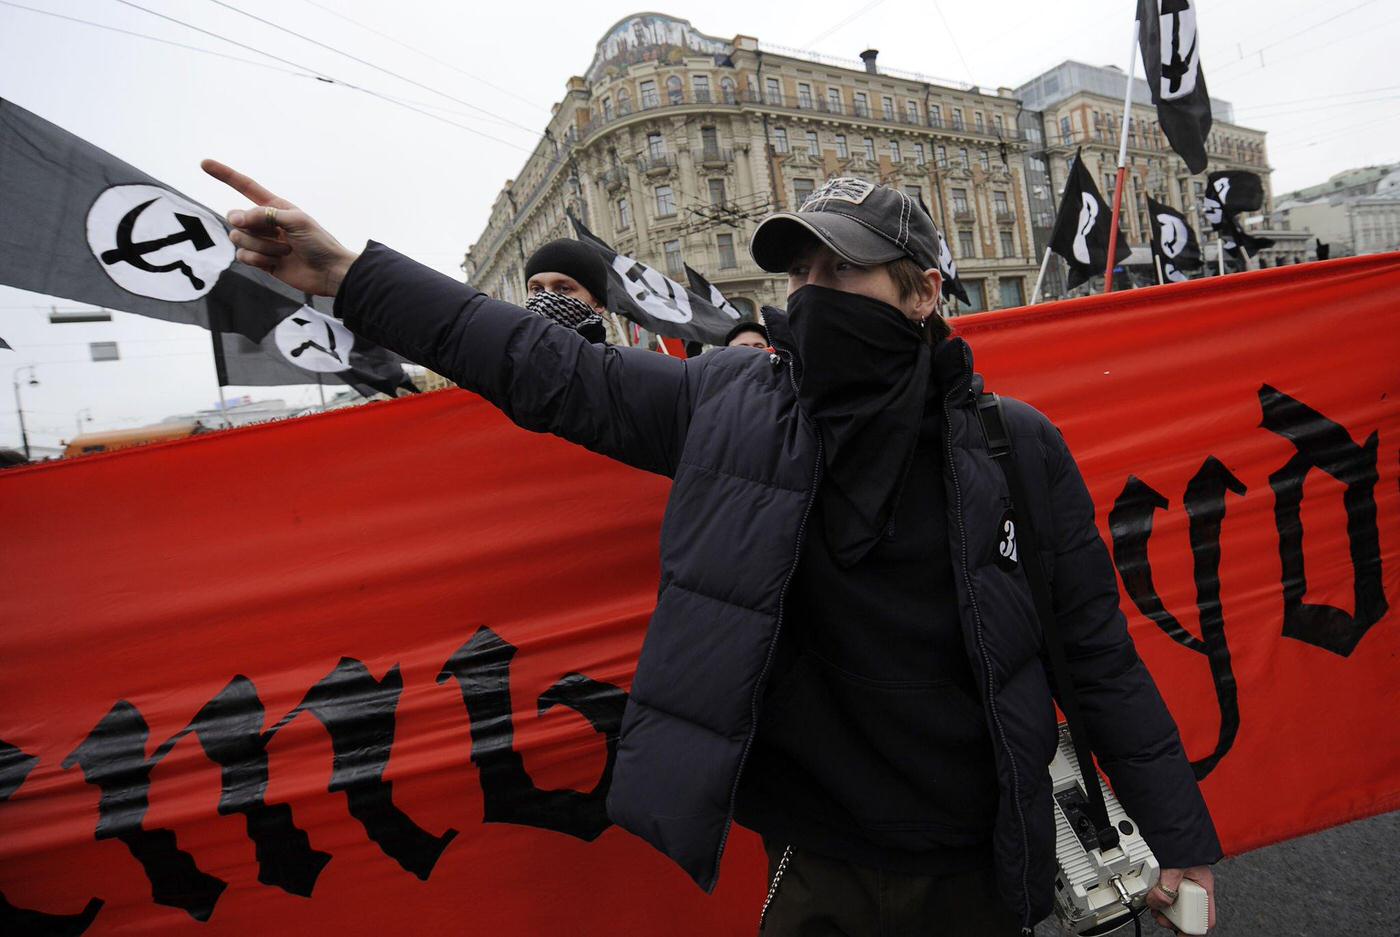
{"type": "Point", "coordinates": [976, 296]}
{"type": "Point", "coordinates": [1008, 244]}
{"type": "Point", "coordinates": [804, 96]}
{"type": "Point", "coordinates": [935, 115]}
{"type": "Point", "coordinates": [656, 146]}
{"type": "Point", "coordinates": [911, 111]}
{"type": "Point", "coordinates": [607, 107]}
{"type": "Point", "coordinates": [957, 118]}
{"type": "Point", "coordinates": [915, 192]}
{"type": "Point", "coordinates": [665, 201]}
{"type": "Point", "coordinates": [1065, 134]}
{"type": "Point", "coordinates": [780, 139]}
{"type": "Point", "coordinates": [726, 87]}
{"type": "Point", "coordinates": [103, 351]}
{"type": "Point", "coordinates": [801, 191]}
{"type": "Point", "coordinates": [894, 150]}
{"type": "Point", "coordinates": [675, 91]}
{"type": "Point", "coordinates": [716, 191]}
{"type": "Point", "coordinates": [675, 266]}
{"type": "Point", "coordinates": [940, 153]}
{"type": "Point", "coordinates": [967, 244]}
{"type": "Point", "coordinates": [649, 98]}
{"type": "Point", "coordinates": [833, 100]}
{"type": "Point", "coordinates": [963, 161]}
{"type": "Point", "coordinates": [862, 105]}
{"type": "Point", "coordinates": [984, 160]}
{"type": "Point", "coordinates": [960, 201]}
{"type": "Point", "coordinates": [841, 150]}
{"type": "Point", "coordinates": [727, 260]}
{"type": "Point", "coordinates": [700, 84]}
{"type": "Point", "coordinates": [813, 145]}
{"type": "Point", "coordinates": [709, 143]}
{"type": "Point", "coordinates": [1012, 294]}
{"type": "Point", "coordinates": [919, 156]}
{"type": "Point", "coordinates": [624, 213]}
{"type": "Point", "coordinates": [1001, 128]}
{"type": "Point", "coordinates": [624, 101]}
{"type": "Point", "coordinates": [999, 203]}
{"type": "Point", "coordinates": [977, 122]}
{"type": "Point", "coordinates": [775, 91]}
{"type": "Point", "coordinates": [887, 107]}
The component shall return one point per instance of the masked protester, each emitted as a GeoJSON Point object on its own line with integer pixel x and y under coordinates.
{"type": "Point", "coordinates": [866, 689]}
{"type": "Point", "coordinates": [567, 282]}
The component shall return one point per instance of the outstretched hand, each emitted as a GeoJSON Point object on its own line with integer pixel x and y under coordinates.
{"type": "Point", "coordinates": [278, 237]}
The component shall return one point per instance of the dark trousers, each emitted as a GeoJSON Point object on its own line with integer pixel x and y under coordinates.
{"type": "Point", "coordinates": [820, 897]}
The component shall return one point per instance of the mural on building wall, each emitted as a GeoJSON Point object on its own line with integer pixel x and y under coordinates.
{"type": "Point", "coordinates": [650, 37]}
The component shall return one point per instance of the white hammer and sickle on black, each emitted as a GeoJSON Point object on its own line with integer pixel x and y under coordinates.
{"type": "Point", "coordinates": [134, 252]}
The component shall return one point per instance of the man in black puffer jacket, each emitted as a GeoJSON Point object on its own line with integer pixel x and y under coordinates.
{"type": "Point", "coordinates": [868, 687]}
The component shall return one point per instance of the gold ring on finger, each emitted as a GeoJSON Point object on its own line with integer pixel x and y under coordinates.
{"type": "Point", "coordinates": [270, 216]}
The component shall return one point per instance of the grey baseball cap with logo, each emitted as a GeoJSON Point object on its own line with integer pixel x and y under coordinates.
{"type": "Point", "coordinates": [863, 222]}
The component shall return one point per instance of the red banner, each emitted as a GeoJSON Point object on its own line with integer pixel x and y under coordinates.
{"type": "Point", "coordinates": [358, 672]}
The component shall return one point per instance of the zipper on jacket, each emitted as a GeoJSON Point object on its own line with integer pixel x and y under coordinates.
{"type": "Point", "coordinates": [772, 645]}
{"type": "Point", "coordinates": [1026, 922]}
{"type": "Point", "coordinates": [773, 887]}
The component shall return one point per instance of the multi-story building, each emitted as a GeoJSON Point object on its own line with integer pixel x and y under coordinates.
{"type": "Point", "coordinates": [1355, 212]}
{"type": "Point", "coordinates": [673, 144]}
{"type": "Point", "coordinates": [1080, 108]}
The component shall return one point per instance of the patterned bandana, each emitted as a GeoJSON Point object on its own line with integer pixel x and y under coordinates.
{"type": "Point", "coordinates": [565, 310]}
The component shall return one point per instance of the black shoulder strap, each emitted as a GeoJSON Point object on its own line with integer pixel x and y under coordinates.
{"type": "Point", "coordinates": [999, 441]}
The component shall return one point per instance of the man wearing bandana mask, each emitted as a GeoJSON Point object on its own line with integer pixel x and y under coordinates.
{"type": "Point", "coordinates": [567, 282]}
{"type": "Point", "coordinates": [840, 657]}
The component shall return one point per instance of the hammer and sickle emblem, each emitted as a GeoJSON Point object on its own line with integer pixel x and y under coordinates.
{"type": "Point", "coordinates": [134, 252]}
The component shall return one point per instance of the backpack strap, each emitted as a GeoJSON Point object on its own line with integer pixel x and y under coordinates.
{"type": "Point", "coordinates": [993, 418]}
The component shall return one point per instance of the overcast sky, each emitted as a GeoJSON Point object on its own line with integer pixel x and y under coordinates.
{"type": "Point", "coordinates": [1320, 78]}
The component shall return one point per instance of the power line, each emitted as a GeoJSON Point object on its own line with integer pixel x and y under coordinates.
{"type": "Point", "coordinates": [424, 53]}
{"type": "Point", "coordinates": [850, 19]}
{"type": "Point", "coordinates": [321, 76]}
{"type": "Point", "coordinates": [952, 37]}
{"type": "Point", "coordinates": [1320, 97]}
{"type": "Point", "coordinates": [1292, 36]}
{"type": "Point", "coordinates": [169, 42]}
{"type": "Point", "coordinates": [368, 64]}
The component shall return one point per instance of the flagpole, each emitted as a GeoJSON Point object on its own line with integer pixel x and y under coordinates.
{"type": "Point", "coordinates": [1219, 255]}
{"type": "Point", "coordinates": [1161, 281]}
{"type": "Point", "coordinates": [1040, 280]}
{"type": "Point", "coordinates": [1122, 160]}
{"type": "Point", "coordinates": [216, 345]}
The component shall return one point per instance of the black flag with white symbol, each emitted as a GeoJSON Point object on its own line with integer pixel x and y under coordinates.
{"type": "Point", "coordinates": [703, 287]}
{"type": "Point", "coordinates": [1324, 251]}
{"type": "Point", "coordinates": [655, 301]}
{"type": "Point", "coordinates": [1227, 194]}
{"type": "Point", "coordinates": [1173, 242]}
{"type": "Point", "coordinates": [79, 223]}
{"type": "Point", "coordinates": [1082, 227]}
{"type": "Point", "coordinates": [1171, 55]}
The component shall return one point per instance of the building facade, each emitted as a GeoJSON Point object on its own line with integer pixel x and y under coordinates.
{"type": "Point", "coordinates": [1355, 212]}
{"type": "Point", "coordinates": [1079, 109]}
{"type": "Point", "coordinates": [674, 144]}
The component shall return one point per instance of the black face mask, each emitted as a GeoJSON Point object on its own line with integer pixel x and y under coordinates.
{"type": "Point", "coordinates": [865, 378]}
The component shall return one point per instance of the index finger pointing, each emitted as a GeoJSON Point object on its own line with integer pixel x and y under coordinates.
{"type": "Point", "coordinates": [243, 184]}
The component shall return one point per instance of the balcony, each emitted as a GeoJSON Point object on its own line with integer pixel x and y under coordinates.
{"type": "Point", "coordinates": [655, 164]}
{"type": "Point", "coordinates": [1006, 216]}
{"type": "Point", "coordinates": [964, 214]}
{"type": "Point", "coordinates": [713, 157]}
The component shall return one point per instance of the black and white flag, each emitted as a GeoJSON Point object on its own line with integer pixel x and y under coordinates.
{"type": "Point", "coordinates": [79, 223]}
{"type": "Point", "coordinates": [1082, 227]}
{"type": "Point", "coordinates": [1171, 55]}
{"type": "Point", "coordinates": [947, 266]}
{"type": "Point", "coordinates": [1324, 251]}
{"type": "Point", "coordinates": [655, 301]}
{"type": "Point", "coordinates": [1173, 242]}
{"type": "Point", "coordinates": [703, 287]}
{"type": "Point", "coordinates": [1227, 194]}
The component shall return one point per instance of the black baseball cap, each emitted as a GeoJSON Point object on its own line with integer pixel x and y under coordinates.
{"type": "Point", "coordinates": [863, 222]}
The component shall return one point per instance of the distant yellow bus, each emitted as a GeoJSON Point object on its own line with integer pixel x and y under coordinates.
{"type": "Point", "coordinates": [88, 443]}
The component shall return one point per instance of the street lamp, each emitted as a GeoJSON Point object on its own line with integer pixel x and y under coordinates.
{"type": "Point", "coordinates": [19, 409]}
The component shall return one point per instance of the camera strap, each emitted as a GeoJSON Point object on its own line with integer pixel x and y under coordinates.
{"type": "Point", "coordinates": [989, 410]}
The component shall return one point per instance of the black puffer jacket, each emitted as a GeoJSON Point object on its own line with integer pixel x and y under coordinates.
{"type": "Point", "coordinates": [740, 492]}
